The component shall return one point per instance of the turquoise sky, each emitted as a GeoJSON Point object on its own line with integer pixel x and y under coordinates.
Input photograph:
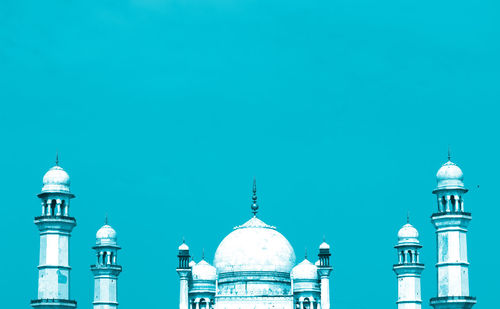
{"type": "Point", "coordinates": [163, 111]}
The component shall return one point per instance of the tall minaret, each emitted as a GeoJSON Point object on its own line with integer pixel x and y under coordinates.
{"type": "Point", "coordinates": [55, 225]}
{"type": "Point", "coordinates": [106, 270]}
{"type": "Point", "coordinates": [184, 270]}
{"type": "Point", "coordinates": [451, 223]}
{"type": "Point", "coordinates": [408, 269]}
{"type": "Point", "coordinates": [324, 270]}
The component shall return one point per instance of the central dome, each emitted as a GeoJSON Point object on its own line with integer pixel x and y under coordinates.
{"type": "Point", "coordinates": [254, 246]}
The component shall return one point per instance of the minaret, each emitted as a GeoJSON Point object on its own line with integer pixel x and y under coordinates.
{"type": "Point", "coordinates": [55, 225]}
{"type": "Point", "coordinates": [408, 269]}
{"type": "Point", "coordinates": [324, 270]}
{"type": "Point", "coordinates": [451, 223]}
{"type": "Point", "coordinates": [184, 271]}
{"type": "Point", "coordinates": [106, 270]}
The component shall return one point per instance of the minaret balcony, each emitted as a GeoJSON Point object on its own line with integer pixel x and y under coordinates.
{"type": "Point", "coordinates": [61, 223]}
{"type": "Point", "coordinates": [452, 302]}
{"type": "Point", "coordinates": [53, 302]}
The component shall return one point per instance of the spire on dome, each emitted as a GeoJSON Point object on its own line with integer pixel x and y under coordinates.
{"type": "Point", "coordinates": [408, 216]}
{"type": "Point", "coordinates": [255, 207]}
{"type": "Point", "coordinates": [57, 158]}
{"type": "Point", "coordinates": [449, 153]}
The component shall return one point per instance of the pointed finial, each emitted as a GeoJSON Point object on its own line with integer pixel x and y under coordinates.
{"type": "Point", "coordinates": [203, 253]}
{"type": "Point", "coordinates": [408, 216]}
{"type": "Point", "coordinates": [324, 238]}
{"type": "Point", "coordinates": [255, 207]}
{"type": "Point", "coordinates": [106, 219]}
{"type": "Point", "coordinates": [449, 153]}
{"type": "Point", "coordinates": [57, 158]}
{"type": "Point", "coordinates": [305, 254]}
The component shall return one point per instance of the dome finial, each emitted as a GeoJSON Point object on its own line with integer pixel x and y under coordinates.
{"type": "Point", "coordinates": [449, 153]}
{"type": "Point", "coordinates": [106, 219]}
{"type": "Point", "coordinates": [57, 158]}
{"type": "Point", "coordinates": [408, 216]}
{"type": "Point", "coordinates": [255, 207]}
{"type": "Point", "coordinates": [203, 253]}
{"type": "Point", "coordinates": [305, 254]}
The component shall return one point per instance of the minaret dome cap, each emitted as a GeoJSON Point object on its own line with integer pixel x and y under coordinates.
{"type": "Point", "coordinates": [324, 246]}
{"type": "Point", "coordinates": [183, 247]}
{"type": "Point", "coordinates": [56, 180]}
{"type": "Point", "coordinates": [106, 235]}
{"type": "Point", "coordinates": [450, 176]}
{"type": "Point", "coordinates": [408, 235]}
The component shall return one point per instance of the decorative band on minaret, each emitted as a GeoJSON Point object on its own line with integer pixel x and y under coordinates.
{"type": "Point", "coordinates": [451, 223]}
{"type": "Point", "coordinates": [55, 225]}
{"type": "Point", "coordinates": [408, 269]}
{"type": "Point", "coordinates": [184, 271]}
{"type": "Point", "coordinates": [106, 270]}
{"type": "Point", "coordinates": [324, 270]}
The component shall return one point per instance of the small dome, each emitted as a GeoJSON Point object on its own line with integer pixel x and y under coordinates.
{"type": "Point", "coordinates": [183, 247]}
{"type": "Point", "coordinates": [192, 263]}
{"type": "Point", "coordinates": [203, 271]}
{"type": "Point", "coordinates": [408, 234]}
{"type": "Point", "coordinates": [324, 245]}
{"type": "Point", "coordinates": [450, 176]}
{"type": "Point", "coordinates": [106, 235]}
{"type": "Point", "coordinates": [56, 180]}
{"type": "Point", "coordinates": [305, 270]}
{"type": "Point", "coordinates": [254, 246]}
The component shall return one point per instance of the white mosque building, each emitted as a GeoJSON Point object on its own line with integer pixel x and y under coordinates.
{"type": "Point", "coordinates": [255, 266]}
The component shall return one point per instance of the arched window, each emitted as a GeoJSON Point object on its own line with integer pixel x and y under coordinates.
{"type": "Point", "coordinates": [104, 255]}
{"type": "Point", "coordinates": [453, 202]}
{"type": "Point", "coordinates": [443, 202]}
{"type": "Point", "coordinates": [403, 257]}
{"type": "Point", "coordinates": [410, 257]}
{"type": "Point", "coordinates": [307, 304]}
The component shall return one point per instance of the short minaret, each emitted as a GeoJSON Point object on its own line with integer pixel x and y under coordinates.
{"type": "Point", "coordinates": [106, 270]}
{"type": "Point", "coordinates": [451, 223]}
{"type": "Point", "coordinates": [324, 270]}
{"type": "Point", "coordinates": [55, 225]}
{"type": "Point", "coordinates": [184, 271]}
{"type": "Point", "coordinates": [408, 269]}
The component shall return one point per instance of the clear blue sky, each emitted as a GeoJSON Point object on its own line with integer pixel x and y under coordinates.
{"type": "Point", "coordinates": [164, 110]}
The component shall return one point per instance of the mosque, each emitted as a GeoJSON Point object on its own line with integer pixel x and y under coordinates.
{"type": "Point", "coordinates": [255, 266]}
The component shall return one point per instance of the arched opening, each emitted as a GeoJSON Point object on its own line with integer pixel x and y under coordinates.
{"type": "Point", "coordinates": [203, 304]}
{"type": "Point", "coordinates": [53, 208]}
{"type": "Point", "coordinates": [453, 202]}
{"type": "Point", "coordinates": [307, 303]}
{"type": "Point", "coordinates": [63, 208]}
{"type": "Point", "coordinates": [410, 257]}
{"type": "Point", "coordinates": [403, 257]}
{"type": "Point", "coordinates": [443, 202]}
{"type": "Point", "coordinates": [104, 255]}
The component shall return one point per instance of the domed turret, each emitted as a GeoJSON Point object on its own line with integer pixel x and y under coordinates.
{"type": "Point", "coordinates": [408, 235]}
{"type": "Point", "coordinates": [450, 176]}
{"type": "Point", "coordinates": [203, 271]}
{"type": "Point", "coordinates": [56, 180]}
{"type": "Point", "coordinates": [305, 270]}
{"type": "Point", "coordinates": [106, 235]}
